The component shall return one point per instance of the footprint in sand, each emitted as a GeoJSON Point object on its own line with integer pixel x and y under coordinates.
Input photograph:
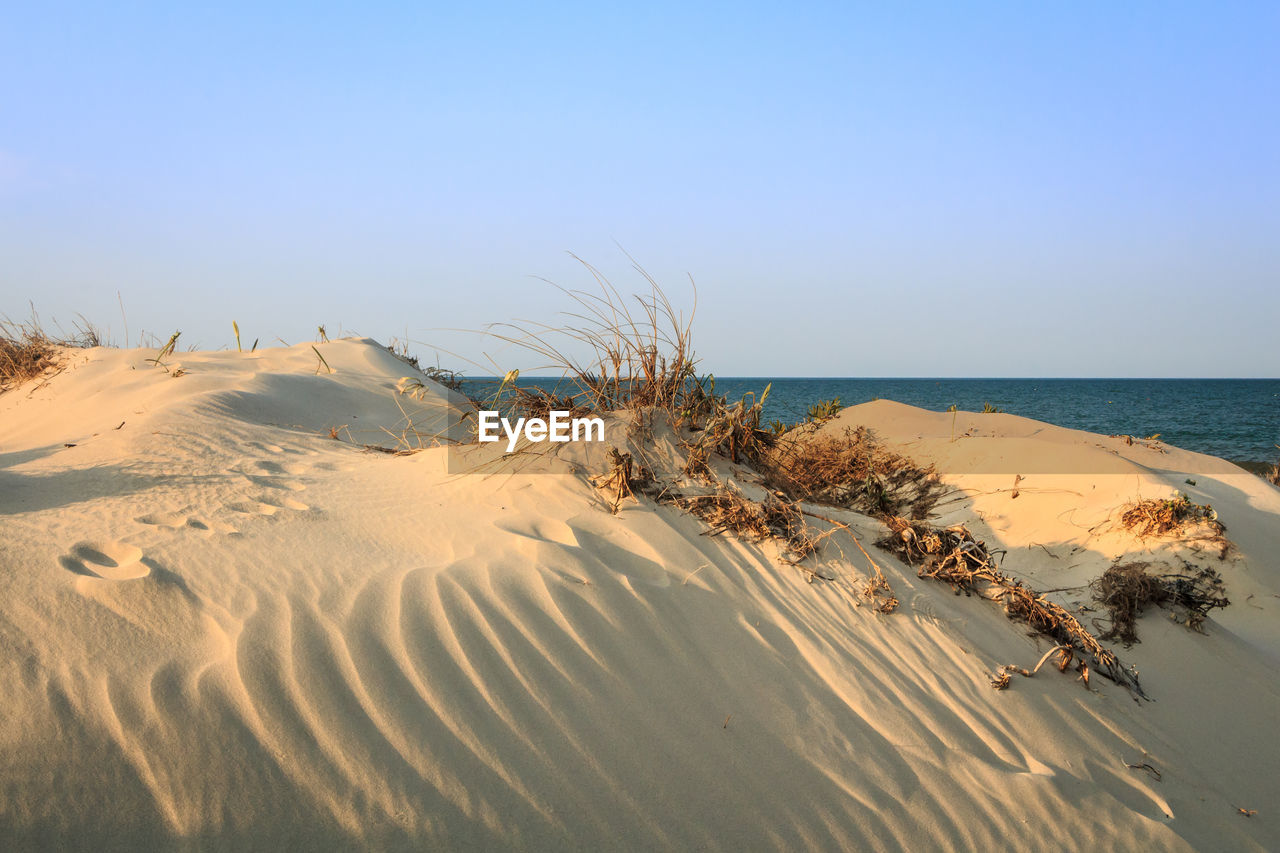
{"type": "Point", "coordinates": [277, 483]}
{"type": "Point", "coordinates": [275, 476]}
{"type": "Point", "coordinates": [279, 468]}
{"type": "Point", "coordinates": [163, 519]}
{"type": "Point", "coordinates": [268, 448]}
{"type": "Point", "coordinates": [113, 561]}
{"type": "Point", "coordinates": [175, 520]}
{"type": "Point", "coordinates": [287, 503]}
{"type": "Point", "coordinates": [208, 528]}
{"type": "Point", "coordinates": [254, 508]}
{"type": "Point", "coordinates": [268, 506]}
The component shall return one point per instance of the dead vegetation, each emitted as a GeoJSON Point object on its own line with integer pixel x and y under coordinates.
{"type": "Point", "coordinates": [952, 555]}
{"type": "Point", "coordinates": [775, 518]}
{"type": "Point", "coordinates": [852, 470]}
{"type": "Point", "coordinates": [450, 379]}
{"type": "Point", "coordinates": [1126, 589]}
{"type": "Point", "coordinates": [1177, 518]}
{"type": "Point", "coordinates": [642, 364]}
{"type": "Point", "coordinates": [1173, 516]}
{"type": "Point", "coordinates": [28, 352]}
{"type": "Point", "coordinates": [718, 427]}
{"type": "Point", "coordinates": [638, 352]}
{"type": "Point", "coordinates": [624, 479]}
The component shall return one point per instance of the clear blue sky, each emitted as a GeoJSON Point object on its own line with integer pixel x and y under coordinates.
{"type": "Point", "coordinates": [1080, 189]}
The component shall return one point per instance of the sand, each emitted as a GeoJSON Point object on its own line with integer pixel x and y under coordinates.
{"type": "Point", "coordinates": [222, 628]}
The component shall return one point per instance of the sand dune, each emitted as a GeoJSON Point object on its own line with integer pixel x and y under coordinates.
{"type": "Point", "coordinates": [221, 627]}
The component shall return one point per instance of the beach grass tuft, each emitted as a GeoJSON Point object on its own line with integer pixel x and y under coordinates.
{"type": "Point", "coordinates": [28, 351]}
{"type": "Point", "coordinates": [825, 410]}
{"type": "Point", "coordinates": [615, 353]}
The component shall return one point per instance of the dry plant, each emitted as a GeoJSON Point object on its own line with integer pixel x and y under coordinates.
{"type": "Point", "coordinates": [852, 470]}
{"type": "Point", "coordinates": [536, 402]}
{"type": "Point", "coordinates": [954, 556]}
{"type": "Point", "coordinates": [775, 518]}
{"type": "Point", "coordinates": [624, 478]}
{"type": "Point", "coordinates": [1126, 589]}
{"type": "Point", "coordinates": [877, 589]}
{"type": "Point", "coordinates": [730, 430]}
{"type": "Point", "coordinates": [27, 351]}
{"type": "Point", "coordinates": [1176, 517]}
{"type": "Point", "coordinates": [451, 379]}
{"type": "Point", "coordinates": [619, 354]}
{"type": "Point", "coordinates": [639, 352]}
{"type": "Point", "coordinates": [166, 351]}
{"type": "Point", "coordinates": [1150, 442]}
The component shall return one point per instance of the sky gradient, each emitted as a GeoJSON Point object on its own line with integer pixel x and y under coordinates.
{"type": "Point", "coordinates": [999, 190]}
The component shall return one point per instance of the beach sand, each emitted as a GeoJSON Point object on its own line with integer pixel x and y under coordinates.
{"type": "Point", "coordinates": [222, 628]}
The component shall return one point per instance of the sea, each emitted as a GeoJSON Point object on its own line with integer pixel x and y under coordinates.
{"type": "Point", "coordinates": [1236, 419]}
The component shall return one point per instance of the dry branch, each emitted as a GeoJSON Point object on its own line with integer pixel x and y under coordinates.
{"type": "Point", "coordinates": [954, 556]}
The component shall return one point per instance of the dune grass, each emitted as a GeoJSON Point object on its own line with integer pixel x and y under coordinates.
{"type": "Point", "coordinates": [28, 351]}
{"type": "Point", "coordinates": [616, 353]}
{"type": "Point", "coordinates": [825, 410]}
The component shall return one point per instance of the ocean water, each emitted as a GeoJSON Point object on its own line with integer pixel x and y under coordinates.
{"type": "Point", "coordinates": [1236, 419]}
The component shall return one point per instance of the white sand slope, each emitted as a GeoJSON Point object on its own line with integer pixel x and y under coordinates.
{"type": "Point", "coordinates": [221, 627]}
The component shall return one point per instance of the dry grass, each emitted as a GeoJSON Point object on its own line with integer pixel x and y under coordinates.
{"type": "Point", "coordinates": [1127, 589]}
{"type": "Point", "coordinates": [730, 430]}
{"type": "Point", "coordinates": [853, 471]}
{"type": "Point", "coordinates": [623, 479]}
{"type": "Point", "coordinates": [775, 518]}
{"type": "Point", "coordinates": [1175, 517]}
{"type": "Point", "coordinates": [954, 556]}
{"type": "Point", "coordinates": [638, 351]}
{"type": "Point", "coordinates": [27, 351]}
{"type": "Point", "coordinates": [1171, 516]}
{"type": "Point", "coordinates": [639, 357]}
